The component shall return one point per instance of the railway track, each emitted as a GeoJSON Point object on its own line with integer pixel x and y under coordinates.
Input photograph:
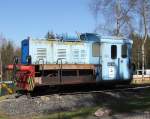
{"type": "Point", "coordinates": [77, 90]}
{"type": "Point", "coordinates": [119, 89]}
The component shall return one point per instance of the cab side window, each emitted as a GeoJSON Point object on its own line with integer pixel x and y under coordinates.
{"type": "Point", "coordinates": [124, 50]}
{"type": "Point", "coordinates": [113, 51]}
{"type": "Point", "coordinates": [96, 49]}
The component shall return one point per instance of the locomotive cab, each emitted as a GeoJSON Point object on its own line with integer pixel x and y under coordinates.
{"type": "Point", "coordinates": [116, 59]}
{"type": "Point", "coordinates": [112, 56]}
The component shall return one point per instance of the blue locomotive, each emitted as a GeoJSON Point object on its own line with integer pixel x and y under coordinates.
{"type": "Point", "coordinates": [90, 58]}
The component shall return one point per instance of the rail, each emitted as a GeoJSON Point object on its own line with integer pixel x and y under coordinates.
{"type": "Point", "coordinates": [87, 90]}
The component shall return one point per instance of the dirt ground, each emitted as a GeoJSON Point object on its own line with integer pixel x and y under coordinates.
{"type": "Point", "coordinates": [124, 104]}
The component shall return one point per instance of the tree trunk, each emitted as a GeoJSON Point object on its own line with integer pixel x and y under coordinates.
{"type": "Point", "coordinates": [143, 61]}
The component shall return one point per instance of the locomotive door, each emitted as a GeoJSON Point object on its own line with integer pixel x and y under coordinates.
{"type": "Point", "coordinates": [118, 65]}
{"type": "Point", "coordinates": [109, 62]}
{"type": "Point", "coordinates": [117, 68]}
{"type": "Point", "coordinates": [113, 64]}
{"type": "Point", "coordinates": [124, 63]}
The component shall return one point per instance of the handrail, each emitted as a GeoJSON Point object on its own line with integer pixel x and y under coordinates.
{"type": "Point", "coordinates": [42, 65]}
{"type": "Point", "coordinates": [60, 69]}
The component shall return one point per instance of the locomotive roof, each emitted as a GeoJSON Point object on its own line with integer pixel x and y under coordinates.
{"type": "Point", "coordinates": [91, 37]}
{"type": "Point", "coordinates": [104, 39]}
{"type": "Point", "coordinates": [114, 39]}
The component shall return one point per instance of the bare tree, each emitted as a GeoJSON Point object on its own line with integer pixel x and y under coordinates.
{"type": "Point", "coordinates": [115, 15]}
{"type": "Point", "coordinates": [143, 10]}
{"type": "Point", "coordinates": [7, 54]}
{"type": "Point", "coordinates": [2, 40]}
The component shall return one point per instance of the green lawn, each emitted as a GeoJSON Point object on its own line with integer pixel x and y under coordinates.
{"type": "Point", "coordinates": [81, 113]}
{"type": "Point", "coordinates": [3, 116]}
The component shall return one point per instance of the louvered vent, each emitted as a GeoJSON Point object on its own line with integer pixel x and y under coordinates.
{"type": "Point", "coordinates": [41, 53]}
{"type": "Point", "coordinates": [76, 54]}
{"type": "Point", "coordinates": [61, 53]}
{"type": "Point", "coordinates": [83, 54]}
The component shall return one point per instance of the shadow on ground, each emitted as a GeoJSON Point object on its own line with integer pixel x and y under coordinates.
{"type": "Point", "coordinates": [125, 102]}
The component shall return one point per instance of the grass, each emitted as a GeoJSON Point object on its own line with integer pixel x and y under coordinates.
{"type": "Point", "coordinates": [131, 103]}
{"type": "Point", "coordinates": [81, 113]}
{"type": "Point", "coordinates": [4, 97]}
{"type": "Point", "coordinates": [3, 116]}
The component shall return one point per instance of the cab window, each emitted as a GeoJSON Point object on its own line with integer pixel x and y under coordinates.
{"type": "Point", "coordinates": [124, 51]}
{"type": "Point", "coordinates": [113, 51]}
{"type": "Point", "coordinates": [95, 49]}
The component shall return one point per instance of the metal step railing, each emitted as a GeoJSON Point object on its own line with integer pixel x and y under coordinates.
{"type": "Point", "coordinates": [60, 69]}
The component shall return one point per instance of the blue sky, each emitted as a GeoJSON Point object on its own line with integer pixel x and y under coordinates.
{"type": "Point", "coordinates": [22, 18]}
